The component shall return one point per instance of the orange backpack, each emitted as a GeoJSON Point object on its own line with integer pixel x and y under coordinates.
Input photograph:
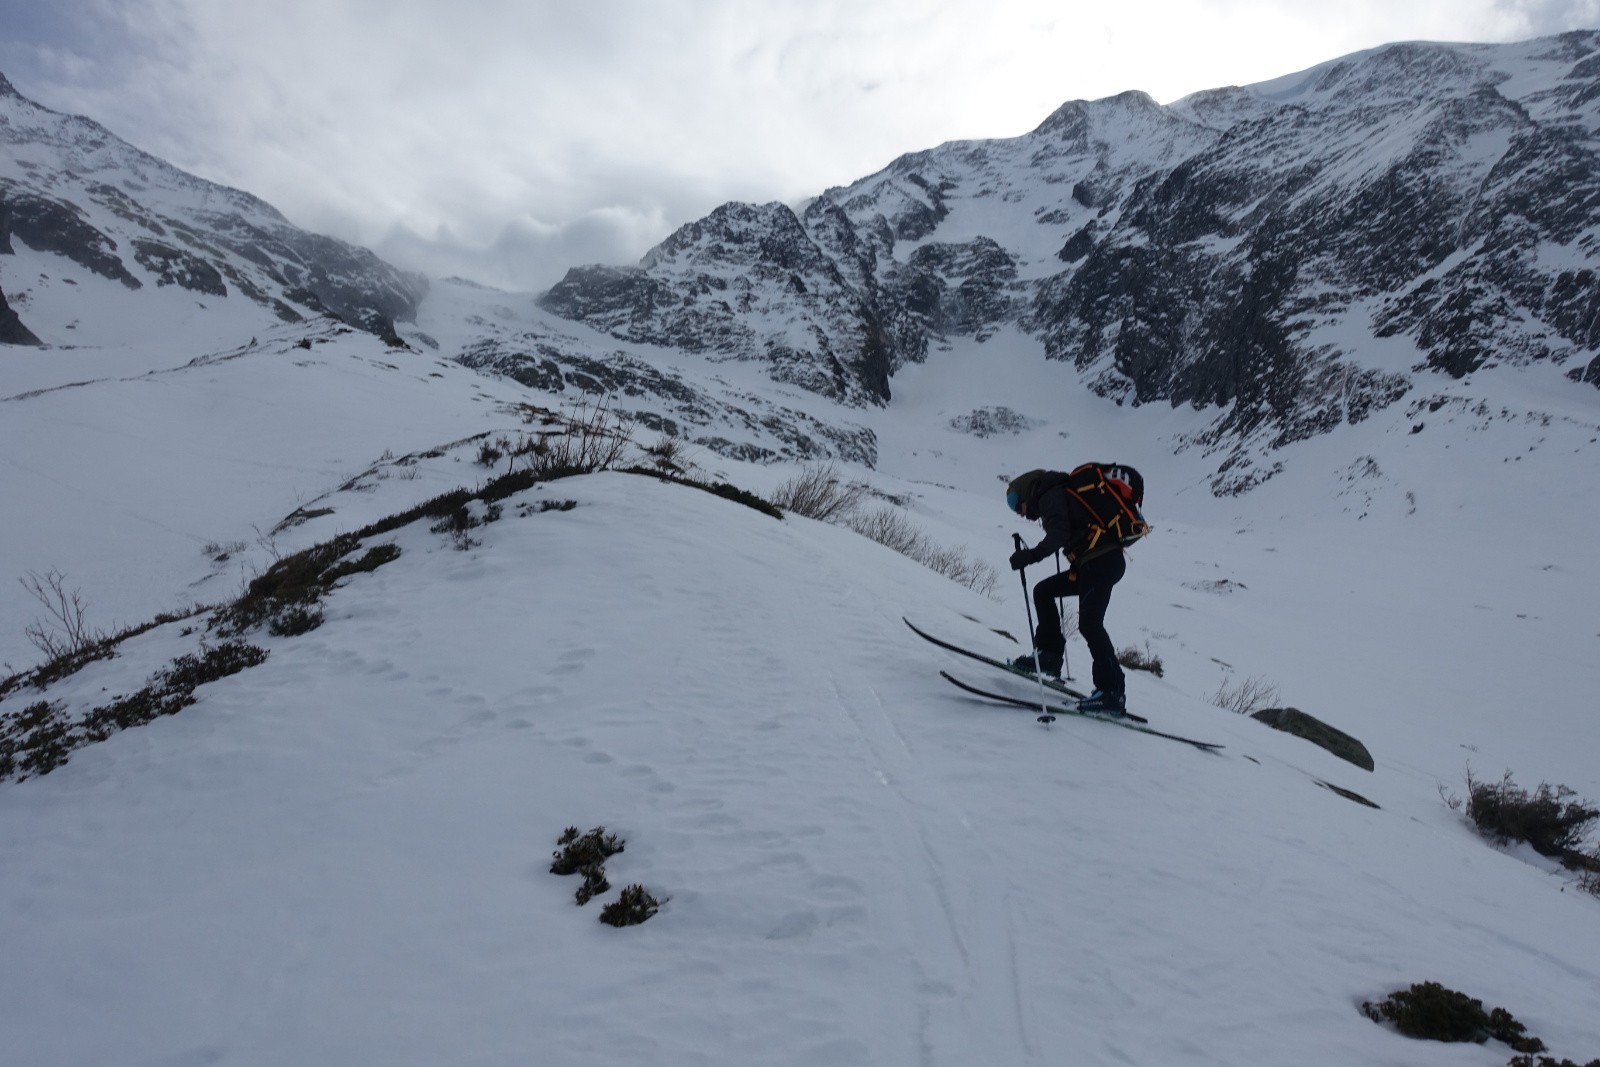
{"type": "Point", "coordinates": [1109, 515]}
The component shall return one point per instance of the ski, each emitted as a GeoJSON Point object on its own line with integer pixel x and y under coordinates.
{"type": "Point", "coordinates": [1050, 683]}
{"type": "Point", "coordinates": [1048, 712]}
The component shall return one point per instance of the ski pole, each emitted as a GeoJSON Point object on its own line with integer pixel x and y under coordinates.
{"type": "Point", "coordinates": [1038, 672]}
{"type": "Point", "coordinates": [1061, 613]}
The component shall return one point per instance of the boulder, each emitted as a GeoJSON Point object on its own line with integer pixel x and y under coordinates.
{"type": "Point", "coordinates": [1296, 722]}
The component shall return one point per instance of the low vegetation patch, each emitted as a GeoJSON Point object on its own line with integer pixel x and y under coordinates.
{"type": "Point", "coordinates": [633, 906]}
{"type": "Point", "coordinates": [1432, 1012]}
{"type": "Point", "coordinates": [585, 855]}
{"type": "Point", "coordinates": [818, 492]}
{"type": "Point", "coordinates": [71, 662]}
{"type": "Point", "coordinates": [1136, 660]}
{"type": "Point", "coordinates": [578, 851]}
{"type": "Point", "coordinates": [1552, 820]}
{"type": "Point", "coordinates": [721, 489]}
{"type": "Point", "coordinates": [39, 738]}
{"type": "Point", "coordinates": [891, 528]}
{"type": "Point", "coordinates": [285, 595]}
{"type": "Point", "coordinates": [286, 598]}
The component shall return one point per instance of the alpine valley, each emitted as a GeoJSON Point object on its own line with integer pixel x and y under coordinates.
{"type": "Point", "coordinates": [1347, 325]}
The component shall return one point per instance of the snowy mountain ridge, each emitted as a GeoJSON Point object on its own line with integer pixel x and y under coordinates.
{"type": "Point", "coordinates": [73, 191]}
{"type": "Point", "coordinates": [1248, 250]}
{"type": "Point", "coordinates": [1288, 257]}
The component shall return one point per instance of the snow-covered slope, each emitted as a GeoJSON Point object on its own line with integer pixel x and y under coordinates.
{"type": "Point", "coordinates": [340, 854]}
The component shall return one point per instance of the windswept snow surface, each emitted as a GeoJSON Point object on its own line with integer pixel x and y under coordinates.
{"type": "Point", "coordinates": [340, 856]}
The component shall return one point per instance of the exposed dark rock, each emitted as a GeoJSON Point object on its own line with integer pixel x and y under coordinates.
{"type": "Point", "coordinates": [1296, 722]}
{"type": "Point", "coordinates": [735, 283]}
{"type": "Point", "coordinates": [635, 387]}
{"type": "Point", "coordinates": [48, 225]}
{"type": "Point", "coordinates": [962, 288]}
{"type": "Point", "coordinates": [12, 331]}
{"type": "Point", "coordinates": [174, 266]}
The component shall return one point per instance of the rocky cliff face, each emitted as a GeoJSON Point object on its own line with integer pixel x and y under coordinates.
{"type": "Point", "coordinates": [1257, 250]}
{"type": "Point", "coordinates": [69, 188]}
{"type": "Point", "coordinates": [12, 331]}
{"type": "Point", "coordinates": [750, 283]}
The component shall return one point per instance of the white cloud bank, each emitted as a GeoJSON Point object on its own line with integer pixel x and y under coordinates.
{"type": "Point", "coordinates": [507, 139]}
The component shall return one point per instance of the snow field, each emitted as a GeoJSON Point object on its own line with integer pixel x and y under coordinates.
{"type": "Point", "coordinates": [342, 852]}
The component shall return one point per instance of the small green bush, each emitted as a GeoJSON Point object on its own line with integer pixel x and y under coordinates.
{"type": "Point", "coordinates": [585, 850]}
{"type": "Point", "coordinates": [632, 907]}
{"type": "Point", "coordinates": [1429, 1010]}
{"type": "Point", "coordinates": [1549, 819]}
{"type": "Point", "coordinates": [594, 883]}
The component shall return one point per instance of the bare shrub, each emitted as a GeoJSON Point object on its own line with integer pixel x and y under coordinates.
{"type": "Point", "coordinates": [489, 452]}
{"type": "Point", "coordinates": [891, 528]}
{"type": "Point", "coordinates": [1549, 819]}
{"type": "Point", "coordinates": [669, 454]}
{"type": "Point", "coordinates": [64, 630]}
{"type": "Point", "coordinates": [818, 493]}
{"type": "Point", "coordinates": [1587, 865]}
{"type": "Point", "coordinates": [592, 438]}
{"type": "Point", "coordinates": [1136, 660]}
{"type": "Point", "coordinates": [1247, 696]}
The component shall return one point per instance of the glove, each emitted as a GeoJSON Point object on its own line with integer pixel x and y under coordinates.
{"type": "Point", "coordinates": [1021, 558]}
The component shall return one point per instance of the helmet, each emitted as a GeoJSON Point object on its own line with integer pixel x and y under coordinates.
{"type": "Point", "coordinates": [1022, 489]}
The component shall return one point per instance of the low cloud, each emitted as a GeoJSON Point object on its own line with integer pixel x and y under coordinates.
{"type": "Point", "coordinates": [510, 139]}
{"type": "Point", "coordinates": [528, 254]}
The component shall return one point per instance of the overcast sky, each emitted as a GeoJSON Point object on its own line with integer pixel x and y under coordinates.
{"type": "Point", "coordinates": [509, 139]}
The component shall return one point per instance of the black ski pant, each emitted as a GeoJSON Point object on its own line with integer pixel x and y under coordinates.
{"type": "Point", "coordinates": [1091, 583]}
